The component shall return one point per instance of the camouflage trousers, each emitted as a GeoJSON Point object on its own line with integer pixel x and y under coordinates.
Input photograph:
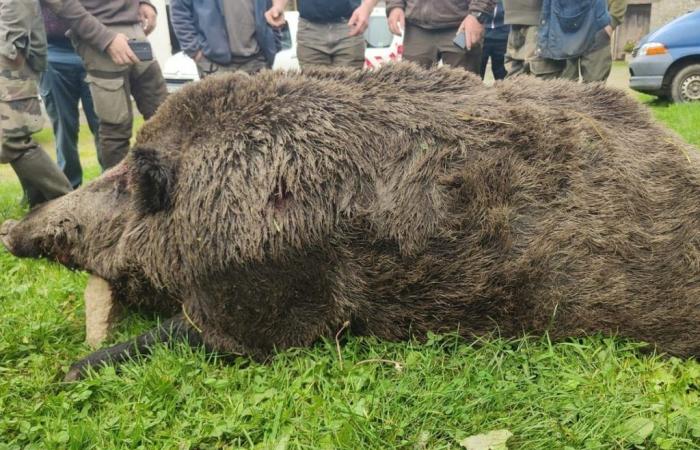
{"type": "Point", "coordinates": [20, 117]}
{"type": "Point", "coordinates": [20, 110]}
{"type": "Point", "coordinates": [522, 57]}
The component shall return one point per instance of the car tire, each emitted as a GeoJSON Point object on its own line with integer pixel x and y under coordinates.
{"type": "Point", "coordinates": [685, 86]}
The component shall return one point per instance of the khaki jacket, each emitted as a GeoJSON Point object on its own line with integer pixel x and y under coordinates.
{"type": "Point", "coordinates": [437, 14]}
{"type": "Point", "coordinates": [617, 9]}
{"type": "Point", "coordinates": [522, 12]}
{"type": "Point", "coordinates": [527, 12]}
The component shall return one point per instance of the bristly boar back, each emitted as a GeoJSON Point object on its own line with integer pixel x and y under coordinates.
{"type": "Point", "coordinates": [272, 209]}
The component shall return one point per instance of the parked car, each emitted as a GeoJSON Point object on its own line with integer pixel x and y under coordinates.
{"type": "Point", "coordinates": [382, 47]}
{"type": "Point", "coordinates": [666, 62]}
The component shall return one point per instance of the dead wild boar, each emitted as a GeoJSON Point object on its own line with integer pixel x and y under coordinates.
{"type": "Point", "coordinates": [266, 212]}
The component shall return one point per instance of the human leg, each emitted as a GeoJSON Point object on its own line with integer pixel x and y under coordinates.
{"type": "Point", "coordinates": [312, 44]}
{"type": "Point", "coordinates": [468, 59]}
{"type": "Point", "coordinates": [516, 53]}
{"type": "Point", "coordinates": [89, 109]}
{"type": "Point", "coordinates": [147, 86]}
{"type": "Point", "coordinates": [571, 70]}
{"type": "Point", "coordinates": [60, 89]}
{"type": "Point", "coordinates": [497, 54]}
{"type": "Point", "coordinates": [38, 174]}
{"type": "Point", "coordinates": [597, 64]}
{"type": "Point", "coordinates": [112, 103]}
{"type": "Point", "coordinates": [419, 46]}
{"type": "Point", "coordinates": [347, 51]}
{"type": "Point", "coordinates": [485, 56]}
{"type": "Point", "coordinates": [20, 117]}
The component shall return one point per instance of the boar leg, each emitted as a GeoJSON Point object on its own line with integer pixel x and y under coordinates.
{"type": "Point", "coordinates": [169, 332]}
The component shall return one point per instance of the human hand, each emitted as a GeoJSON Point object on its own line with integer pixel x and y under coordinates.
{"type": "Point", "coordinates": [275, 17]}
{"type": "Point", "coordinates": [120, 52]}
{"type": "Point", "coordinates": [609, 29]}
{"type": "Point", "coordinates": [198, 56]}
{"type": "Point", "coordinates": [473, 31]}
{"type": "Point", "coordinates": [397, 21]}
{"type": "Point", "coordinates": [359, 20]}
{"type": "Point", "coordinates": [147, 15]}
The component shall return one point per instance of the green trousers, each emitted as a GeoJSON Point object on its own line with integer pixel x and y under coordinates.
{"type": "Point", "coordinates": [112, 87]}
{"type": "Point", "coordinates": [522, 58]}
{"type": "Point", "coordinates": [329, 44]}
{"type": "Point", "coordinates": [595, 65]}
{"type": "Point", "coordinates": [428, 47]}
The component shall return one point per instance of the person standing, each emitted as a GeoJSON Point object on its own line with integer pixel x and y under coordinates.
{"type": "Point", "coordinates": [22, 58]}
{"type": "Point", "coordinates": [495, 44]}
{"type": "Point", "coordinates": [523, 16]}
{"type": "Point", "coordinates": [225, 35]}
{"type": "Point", "coordinates": [330, 31]}
{"type": "Point", "coordinates": [100, 32]}
{"type": "Point", "coordinates": [596, 63]}
{"type": "Point", "coordinates": [62, 88]}
{"type": "Point", "coordinates": [430, 26]}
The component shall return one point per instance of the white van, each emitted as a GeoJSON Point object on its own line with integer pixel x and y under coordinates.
{"type": "Point", "coordinates": [382, 47]}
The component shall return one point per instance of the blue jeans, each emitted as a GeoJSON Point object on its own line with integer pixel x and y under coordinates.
{"type": "Point", "coordinates": [62, 87]}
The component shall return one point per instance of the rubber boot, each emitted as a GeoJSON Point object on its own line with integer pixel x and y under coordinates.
{"type": "Point", "coordinates": [39, 175]}
{"type": "Point", "coordinates": [30, 196]}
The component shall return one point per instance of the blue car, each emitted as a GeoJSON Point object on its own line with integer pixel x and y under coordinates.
{"type": "Point", "coordinates": [666, 62]}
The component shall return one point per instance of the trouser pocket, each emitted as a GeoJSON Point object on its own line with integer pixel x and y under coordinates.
{"type": "Point", "coordinates": [110, 98]}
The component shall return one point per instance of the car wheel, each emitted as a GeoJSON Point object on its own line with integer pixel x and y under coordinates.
{"type": "Point", "coordinates": [685, 86]}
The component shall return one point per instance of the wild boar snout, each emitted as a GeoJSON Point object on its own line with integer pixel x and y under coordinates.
{"type": "Point", "coordinates": [5, 229]}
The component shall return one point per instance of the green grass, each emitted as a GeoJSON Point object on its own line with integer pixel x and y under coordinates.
{"type": "Point", "coordinates": [684, 119]}
{"type": "Point", "coordinates": [594, 393]}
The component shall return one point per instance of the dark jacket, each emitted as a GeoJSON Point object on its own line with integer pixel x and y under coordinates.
{"type": "Point", "coordinates": [569, 27]}
{"type": "Point", "coordinates": [438, 14]}
{"type": "Point", "coordinates": [200, 25]}
{"type": "Point", "coordinates": [322, 11]}
{"type": "Point", "coordinates": [90, 19]}
{"type": "Point", "coordinates": [496, 30]}
{"type": "Point", "coordinates": [56, 29]}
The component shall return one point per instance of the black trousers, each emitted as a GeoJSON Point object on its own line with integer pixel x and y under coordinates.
{"type": "Point", "coordinates": [496, 51]}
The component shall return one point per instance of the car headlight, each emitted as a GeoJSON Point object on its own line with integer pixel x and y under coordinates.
{"type": "Point", "coordinates": [653, 48]}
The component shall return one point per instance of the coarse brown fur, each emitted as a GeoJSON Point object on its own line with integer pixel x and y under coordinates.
{"type": "Point", "coordinates": [272, 209]}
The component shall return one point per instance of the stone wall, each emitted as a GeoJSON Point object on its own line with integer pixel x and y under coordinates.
{"type": "Point", "coordinates": [663, 11]}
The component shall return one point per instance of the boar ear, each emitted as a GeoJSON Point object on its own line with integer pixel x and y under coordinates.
{"type": "Point", "coordinates": [153, 179]}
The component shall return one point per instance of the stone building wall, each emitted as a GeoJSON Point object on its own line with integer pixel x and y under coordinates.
{"type": "Point", "coordinates": [663, 11]}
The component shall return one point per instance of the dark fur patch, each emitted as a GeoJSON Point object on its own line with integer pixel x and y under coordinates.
{"type": "Point", "coordinates": [280, 196]}
{"type": "Point", "coordinates": [153, 180]}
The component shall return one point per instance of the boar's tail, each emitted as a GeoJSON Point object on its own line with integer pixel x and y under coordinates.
{"type": "Point", "coordinates": [177, 329]}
